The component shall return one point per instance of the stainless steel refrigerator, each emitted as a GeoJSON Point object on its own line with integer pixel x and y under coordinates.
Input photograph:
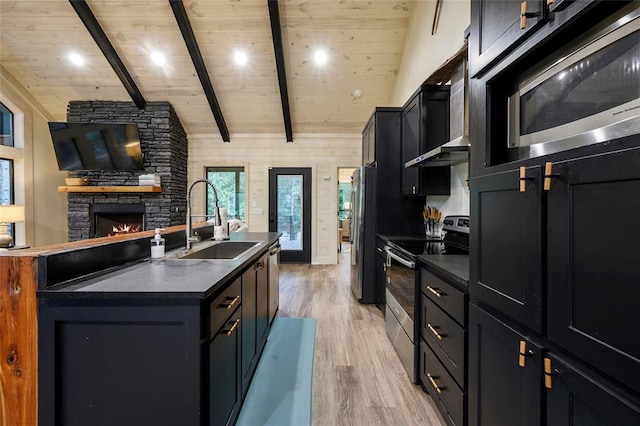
{"type": "Point", "coordinates": [362, 234]}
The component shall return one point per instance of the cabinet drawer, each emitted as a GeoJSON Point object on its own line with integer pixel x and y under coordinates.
{"type": "Point", "coordinates": [446, 338]}
{"type": "Point", "coordinates": [446, 296]}
{"type": "Point", "coordinates": [450, 398]}
{"type": "Point", "coordinates": [223, 306]}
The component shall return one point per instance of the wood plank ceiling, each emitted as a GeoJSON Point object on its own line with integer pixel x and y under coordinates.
{"type": "Point", "coordinates": [363, 40]}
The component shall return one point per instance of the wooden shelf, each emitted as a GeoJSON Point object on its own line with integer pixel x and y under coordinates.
{"type": "Point", "coordinates": [89, 188]}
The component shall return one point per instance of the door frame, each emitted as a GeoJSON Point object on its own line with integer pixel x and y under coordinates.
{"type": "Point", "coordinates": [293, 256]}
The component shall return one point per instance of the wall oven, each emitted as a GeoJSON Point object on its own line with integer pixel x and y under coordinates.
{"type": "Point", "coordinates": [589, 94]}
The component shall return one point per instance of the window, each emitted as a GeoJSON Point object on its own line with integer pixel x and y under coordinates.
{"type": "Point", "coordinates": [229, 182]}
{"type": "Point", "coordinates": [344, 200]}
{"type": "Point", "coordinates": [6, 126]}
{"type": "Point", "coordinates": [6, 187]}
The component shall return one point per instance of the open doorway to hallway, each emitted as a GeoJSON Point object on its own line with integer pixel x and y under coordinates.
{"type": "Point", "coordinates": [344, 207]}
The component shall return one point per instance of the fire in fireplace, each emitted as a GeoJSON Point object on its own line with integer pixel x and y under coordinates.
{"type": "Point", "coordinates": [116, 219]}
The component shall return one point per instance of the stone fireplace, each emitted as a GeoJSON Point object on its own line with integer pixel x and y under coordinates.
{"type": "Point", "coordinates": [114, 218]}
{"type": "Point", "coordinates": [164, 147]}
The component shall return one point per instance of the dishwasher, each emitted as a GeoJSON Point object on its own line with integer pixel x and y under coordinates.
{"type": "Point", "coordinates": [274, 280]}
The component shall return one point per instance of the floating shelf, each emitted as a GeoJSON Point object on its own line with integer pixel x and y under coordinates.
{"type": "Point", "coordinates": [89, 188]}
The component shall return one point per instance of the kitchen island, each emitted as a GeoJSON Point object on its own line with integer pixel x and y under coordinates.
{"type": "Point", "coordinates": [123, 339]}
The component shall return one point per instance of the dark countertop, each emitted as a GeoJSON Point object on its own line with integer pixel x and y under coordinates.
{"type": "Point", "coordinates": [453, 267]}
{"type": "Point", "coordinates": [167, 278]}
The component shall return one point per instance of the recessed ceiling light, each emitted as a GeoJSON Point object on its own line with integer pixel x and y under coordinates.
{"type": "Point", "coordinates": [240, 58]}
{"type": "Point", "coordinates": [320, 57]}
{"type": "Point", "coordinates": [158, 58]}
{"type": "Point", "coordinates": [76, 59]}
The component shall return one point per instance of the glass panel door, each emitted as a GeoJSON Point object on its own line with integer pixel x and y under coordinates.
{"type": "Point", "coordinates": [290, 212]}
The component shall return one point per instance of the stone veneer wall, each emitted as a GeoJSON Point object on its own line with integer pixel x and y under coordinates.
{"type": "Point", "coordinates": [165, 150]}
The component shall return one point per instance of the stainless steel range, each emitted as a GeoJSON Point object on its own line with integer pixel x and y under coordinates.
{"type": "Point", "coordinates": [402, 283]}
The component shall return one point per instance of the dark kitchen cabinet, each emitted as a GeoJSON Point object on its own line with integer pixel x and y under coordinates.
{"type": "Point", "coordinates": [505, 373]}
{"type": "Point", "coordinates": [262, 300]}
{"type": "Point", "coordinates": [443, 345]}
{"type": "Point", "coordinates": [369, 142]}
{"type": "Point", "coordinates": [592, 257]}
{"type": "Point", "coordinates": [497, 26]}
{"type": "Point", "coordinates": [255, 316]}
{"type": "Point", "coordinates": [577, 397]}
{"type": "Point", "coordinates": [509, 388]}
{"type": "Point", "coordinates": [506, 243]}
{"type": "Point", "coordinates": [425, 126]}
{"type": "Point", "coordinates": [224, 381]}
{"type": "Point", "coordinates": [381, 138]}
{"type": "Point", "coordinates": [249, 326]}
{"type": "Point", "coordinates": [381, 273]}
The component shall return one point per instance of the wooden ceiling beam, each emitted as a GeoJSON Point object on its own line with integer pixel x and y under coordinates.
{"type": "Point", "coordinates": [194, 51]}
{"type": "Point", "coordinates": [91, 23]}
{"type": "Point", "coordinates": [276, 33]}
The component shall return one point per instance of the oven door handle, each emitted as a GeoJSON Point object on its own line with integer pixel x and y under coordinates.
{"type": "Point", "coordinates": [401, 260]}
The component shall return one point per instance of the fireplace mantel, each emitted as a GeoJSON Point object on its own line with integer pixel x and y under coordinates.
{"type": "Point", "coordinates": [131, 188]}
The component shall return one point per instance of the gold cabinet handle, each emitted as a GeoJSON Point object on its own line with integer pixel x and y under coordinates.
{"type": "Point", "coordinates": [230, 304]}
{"type": "Point", "coordinates": [523, 179]}
{"type": "Point", "coordinates": [548, 175]}
{"type": "Point", "coordinates": [433, 383]}
{"type": "Point", "coordinates": [229, 332]}
{"type": "Point", "coordinates": [524, 15]}
{"type": "Point", "coordinates": [549, 373]}
{"type": "Point", "coordinates": [434, 291]}
{"type": "Point", "coordinates": [434, 331]}
{"type": "Point", "coordinates": [523, 353]}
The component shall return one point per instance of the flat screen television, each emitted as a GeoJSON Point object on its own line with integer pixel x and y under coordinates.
{"type": "Point", "coordinates": [96, 146]}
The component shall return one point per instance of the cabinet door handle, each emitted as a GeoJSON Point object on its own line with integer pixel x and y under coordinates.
{"type": "Point", "coordinates": [434, 291]}
{"type": "Point", "coordinates": [548, 175]}
{"type": "Point", "coordinates": [549, 373]}
{"type": "Point", "coordinates": [413, 189]}
{"type": "Point", "coordinates": [229, 332]}
{"type": "Point", "coordinates": [260, 264]}
{"type": "Point", "coordinates": [230, 304]}
{"type": "Point", "coordinates": [523, 353]}
{"type": "Point", "coordinates": [524, 15]}
{"type": "Point", "coordinates": [433, 383]}
{"type": "Point", "coordinates": [435, 332]}
{"type": "Point", "coordinates": [524, 179]}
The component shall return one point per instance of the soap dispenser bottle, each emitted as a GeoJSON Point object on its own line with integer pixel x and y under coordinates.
{"type": "Point", "coordinates": [157, 245]}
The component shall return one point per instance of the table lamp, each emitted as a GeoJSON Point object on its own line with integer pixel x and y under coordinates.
{"type": "Point", "coordinates": [9, 214]}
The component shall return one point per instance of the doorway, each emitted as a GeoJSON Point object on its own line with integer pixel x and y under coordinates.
{"type": "Point", "coordinates": [290, 212]}
{"type": "Point", "coordinates": [344, 205]}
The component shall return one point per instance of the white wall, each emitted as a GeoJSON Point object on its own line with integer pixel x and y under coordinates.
{"type": "Point", "coordinates": [36, 171]}
{"type": "Point", "coordinates": [324, 154]}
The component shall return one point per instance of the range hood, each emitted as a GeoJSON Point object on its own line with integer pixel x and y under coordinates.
{"type": "Point", "coordinates": [451, 153]}
{"type": "Point", "coordinates": [456, 151]}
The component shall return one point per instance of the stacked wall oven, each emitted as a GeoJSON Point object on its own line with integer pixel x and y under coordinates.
{"type": "Point", "coordinates": [377, 204]}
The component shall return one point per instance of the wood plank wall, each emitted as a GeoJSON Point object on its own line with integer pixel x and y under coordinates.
{"type": "Point", "coordinates": [323, 153]}
{"type": "Point", "coordinates": [18, 342]}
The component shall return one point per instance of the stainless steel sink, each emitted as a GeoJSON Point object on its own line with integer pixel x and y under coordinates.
{"type": "Point", "coordinates": [221, 250]}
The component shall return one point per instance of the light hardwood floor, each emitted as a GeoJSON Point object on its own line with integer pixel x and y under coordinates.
{"type": "Point", "coordinates": [357, 376]}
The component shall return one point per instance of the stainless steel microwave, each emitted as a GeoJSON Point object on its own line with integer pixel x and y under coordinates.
{"type": "Point", "coordinates": [588, 96]}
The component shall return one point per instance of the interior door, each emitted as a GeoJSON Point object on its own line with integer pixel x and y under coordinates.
{"type": "Point", "coordinates": [290, 212]}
